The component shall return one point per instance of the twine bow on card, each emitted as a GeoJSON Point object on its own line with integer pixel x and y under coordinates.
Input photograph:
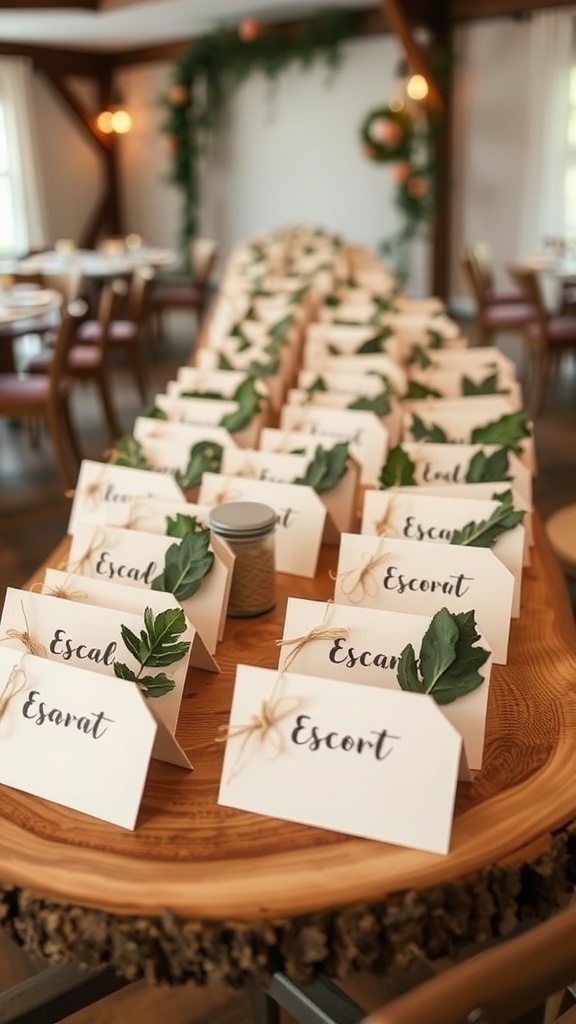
{"type": "Point", "coordinates": [61, 590]}
{"type": "Point", "coordinates": [263, 726]}
{"type": "Point", "coordinates": [98, 541]}
{"type": "Point", "coordinates": [15, 683]}
{"type": "Point", "coordinates": [23, 637]}
{"type": "Point", "coordinates": [358, 582]}
{"type": "Point", "coordinates": [137, 510]}
{"type": "Point", "coordinates": [226, 494]}
{"type": "Point", "coordinates": [317, 633]}
{"type": "Point", "coordinates": [248, 469]}
{"type": "Point", "coordinates": [382, 525]}
{"type": "Point", "coordinates": [91, 492]}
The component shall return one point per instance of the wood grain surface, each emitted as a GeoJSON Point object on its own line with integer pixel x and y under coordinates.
{"type": "Point", "coordinates": [209, 862]}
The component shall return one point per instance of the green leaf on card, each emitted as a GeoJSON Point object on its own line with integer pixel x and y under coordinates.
{"type": "Point", "coordinates": [326, 468]}
{"type": "Point", "coordinates": [181, 524]}
{"type": "Point", "coordinates": [427, 432]}
{"type": "Point", "coordinates": [128, 452]}
{"type": "Point", "coordinates": [152, 412]}
{"type": "Point", "coordinates": [487, 531]}
{"type": "Point", "coordinates": [186, 564]}
{"type": "Point", "coordinates": [507, 431]}
{"type": "Point", "coordinates": [488, 468]}
{"type": "Point", "coordinates": [488, 386]}
{"type": "Point", "coordinates": [157, 646]}
{"type": "Point", "coordinates": [417, 390]}
{"type": "Point", "coordinates": [204, 457]}
{"type": "Point", "coordinates": [376, 343]}
{"type": "Point", "coordinates": [398, 470]}
{"type": "Point", "coordinates": [449, 662]}
{"type": "Point", "coordinates": [248, 399]}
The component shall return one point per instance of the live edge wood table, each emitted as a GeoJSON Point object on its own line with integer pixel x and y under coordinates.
{"type": "Point", "coordinates": [206, 893]}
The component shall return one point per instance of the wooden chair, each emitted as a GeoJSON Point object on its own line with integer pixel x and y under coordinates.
{"type": "Point", "coordinates": [46, 397]}
{"type": "Point", "coordinates": [90, 362]}
{"type": "Point", "coordinates": [550, 335]}
{"type": "Point", "coordinates": [497, 986]}
{"type": "Point", "coordinates": [189, 294]}
{"type": "Point", "coordinates": [127, 331]}
{"type": "Point", "coordinates": [493, 318]}
{"type": "Point", "coordinates": [484, 262]}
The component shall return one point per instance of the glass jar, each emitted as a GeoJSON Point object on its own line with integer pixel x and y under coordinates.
{"type": "Point", "coordinates": [248, 527]}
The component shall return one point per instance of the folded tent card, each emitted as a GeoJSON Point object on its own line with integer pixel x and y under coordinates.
{"type": "Point", "coordinates": [78, 738]}
{"type": "Point", "coordinates": [354, 644]}
{"type": "Point", "coordinates": [185, 563]}
{"type": "Point", "coordinates": [100, 484]}
{"type": "Point", "coordinates": [151, 650]}
{"type": "Point", "coordinates": [420, 578]}
{"type": "Point", "coordinates": [364, 432]}
{"type": "Point", "coordinates": [383, 765]}
{"type": "Point", "coordinates": [416, 515]}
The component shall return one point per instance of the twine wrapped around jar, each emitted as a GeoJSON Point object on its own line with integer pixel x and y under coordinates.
{"type": "Point", "coordinates": [248, 528]}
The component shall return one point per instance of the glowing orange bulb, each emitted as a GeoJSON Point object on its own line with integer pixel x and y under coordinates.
{"type": "Point", "coordinates": [417, 87]}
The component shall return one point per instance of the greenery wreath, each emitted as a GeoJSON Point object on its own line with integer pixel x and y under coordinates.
{"type": "Point", "coordinates": [387, 134]}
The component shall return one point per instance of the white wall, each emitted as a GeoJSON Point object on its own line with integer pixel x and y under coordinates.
{"type": "Point", "coordinates": [299, 158]}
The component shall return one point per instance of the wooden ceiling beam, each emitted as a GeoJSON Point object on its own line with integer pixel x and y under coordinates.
{"type": "Point", "coordinates": [415, 55]}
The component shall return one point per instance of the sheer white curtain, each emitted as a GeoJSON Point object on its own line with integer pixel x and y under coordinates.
{"type": "Point", "coordinates": [550, 56]}
{"type": "Point", "coordinates": [27, 192]}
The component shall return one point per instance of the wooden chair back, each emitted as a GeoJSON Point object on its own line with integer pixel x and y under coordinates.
{"type": "Point", "coordinates": [112, 304]}
{"type": "Point", "coordinates": [527, 280]}
{"type": "Point", "coordinates": [202, 254]}
{"type": "Point", "coordinates": [484, 264]}
{"type": "Point", "coordinates": [67, 282]}
{"type": "Point", "coordinates": [139, 294]}
{"type": "Point", "coordinates": [497, 986]}
{"type": "Point", "coordinates": [474, 277]}
{"type": "Point", "coordinates": [72, 317]}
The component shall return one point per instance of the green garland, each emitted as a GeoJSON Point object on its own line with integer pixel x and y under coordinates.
{"type": "Point", "coordinates": [214, 65]}
{"type": "Point", "coordinates": [405, 139]}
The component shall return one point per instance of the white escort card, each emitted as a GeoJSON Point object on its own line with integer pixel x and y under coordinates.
{"type": "Point", "coordinates": [102, 594]}
{"type": "Point", "coordinates": [149, 428]}
{"type": "Point", "coordinates": [420, 578]}
{"type": "Point", "coordinates": [61, 630]}
{"type": "Point", "coordinates": [279, 366]}
{"type": "Point", "coordinates": [201, 412]}
{"type": "Point", "coordinates": [74, 737]}
{"type": "Point", "coordinates": [371, 363]}
{"type": "Point", "coordinates": [133, 558]}
{"type": "Point", "coordinates": [392, 420]}
{"type": "Point", "coordinates": [354, 381]}
{"type": "Point", "coordinates": [363, 645]}
{"type": "Point", "coordinates": [436, 464]}
{"type": "Point", "coordinates": [451, 383]}
{"type": "Point", "coordinates": [282, 467]}
{"type": "Point", "coordinates": [484, 358]}
{"type": "Point", "coordinates": [363, 431]}
{"type": "Point", "coordinates": [99, 483]}
{"type": "Point", "coordinates": [413, 514]}
{"type": "Point", "coordinates": [300, 516]}
{"type": "Point", "coordinates": [383, 765]}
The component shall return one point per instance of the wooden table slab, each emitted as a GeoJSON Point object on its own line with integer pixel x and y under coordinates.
{"type": "Point", "coordinates": [207, 892]}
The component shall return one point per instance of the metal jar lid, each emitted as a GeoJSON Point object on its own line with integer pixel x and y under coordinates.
{"type": "Point", "coordinates": [242, 520]}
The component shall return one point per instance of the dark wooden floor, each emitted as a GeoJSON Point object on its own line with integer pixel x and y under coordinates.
{"type": "Point", "coordinates": [33, 518]}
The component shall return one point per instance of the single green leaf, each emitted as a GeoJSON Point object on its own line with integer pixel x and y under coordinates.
{"type": "Point", "coordinates": [186, 564]}
{"type": "Point", "coordinates": [223, 362]}
{"type": "Point", "coordinates": [204, 457]}
{"type": "Point", "coordinates": [438, 649]}
{"type": "Point", "coordinates": [327, 467]}
{"type": "Point", "coordinates": [398, 470]}
{"type": "Point", "coordinates": [248, 399]}
{"type": "Point", "coordinates": [435, 339]}
{"type": "Point", "coordinates": [318, 384]}
{"type": "Point", "coordinates": [122, 671]}
{"type": "Point", "coordinates": [376, 343]}
{"type": "Point", "coordinates": [449, 660]}
{"type": "Point", "coordinates": [379, 404]}
{"type": "Point", "coordinates": [507, 431]}
{"type": "Point", "coordinates": [280, 330]}
{"type": "Point", "coordinates": [418, 390]}
{"type": "Point", "coordinates": [419, 356]}
{"type": "Point", "coordinates": [156, 686]}
{"type": "Point", "coordinates": [488, 386]}
{"type": "Point", "coordinates": [487, 531]}
{"type": "Point", "coordinates": [181, 524]}
{"type": "Point", "coordinates": [407, 671]}
{"type": "Point", "coordinates": [423, 432]}
{"type": "Point", "coordinates": [487, 468]}
{"type": "Point", "coordinates": [202, 394]}
{"type": "Point", "coordinates": [128, 452]}
{"type": "Point", "coordinates": [156, 647]}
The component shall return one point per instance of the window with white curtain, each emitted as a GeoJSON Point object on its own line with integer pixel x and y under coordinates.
{"type": "Point", "coordinates": [7, 225]}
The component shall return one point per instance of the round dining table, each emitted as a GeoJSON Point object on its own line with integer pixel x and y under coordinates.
{"type": "Point", "coordinates": [208, 893]}
{"type": "Point", "coordinates": [26, 311]}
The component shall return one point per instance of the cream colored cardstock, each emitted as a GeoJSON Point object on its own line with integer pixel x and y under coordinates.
{"type": "Point", "coordinates": [392, 421]}
{"type": "Point", "coordinates": [102, 484]}
{"type": "Point", "coordinates": [201, 412]}
{"type": "Point", "coordinates": [71, 736]}
{"type": "Point", "coordinates": [416, 515]}
{"type": "Point", "coordinates": [363, 431]}
{"type": "Point", "coordinates": [354, 382]}
{"type": "Point", "coordinates": [65, 632]}
{"type": "Point", "coordinates": [363, 645]}
{"type": "Point", "coordinates": [420, 578]}
{"type": "Point", "coordinates": [300, 516]}
{"type": "Point", "coordinates": [147, 428]}
{"type": "Point", "coordinates": [133, 558]}
{"type": "Point", "coordinates": [102, 594]}
{"type": "Point", "coordinates": [450, 383]}
{"type": "Point", "coordinates": [449, 464]}
{"type": "Point", "coordinates": [482, 359]}
{"type": "Point", "coordinates": [383, 765]}
{"type": "Point", "coordinates": [377, 363]}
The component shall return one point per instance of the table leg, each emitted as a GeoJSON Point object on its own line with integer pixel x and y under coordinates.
{"type": "Point", "coordinates": [55, 993]}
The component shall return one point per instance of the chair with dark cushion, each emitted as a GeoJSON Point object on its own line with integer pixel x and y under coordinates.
{"type": "Point", "coordinates": [550, 335]}
{"type": "Point", "coordinates": [91, 361]}
{"type": "Point", "coordinates": [493, 318]}
{"type": "Point", "coordinates": [191, 293]}
{"type": "Point", "coordinates": [46, 397]}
